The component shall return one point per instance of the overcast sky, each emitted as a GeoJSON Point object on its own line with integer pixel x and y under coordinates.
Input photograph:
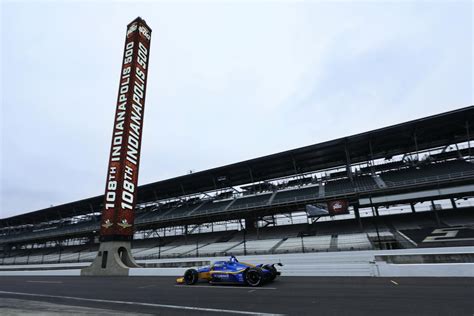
{"type": "Point", "coordinates": [227, 82]}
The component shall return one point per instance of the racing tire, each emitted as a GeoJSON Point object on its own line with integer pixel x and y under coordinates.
{"type": "Point", "coordinates": [190, 276]}
{"type": "Point", "coordinates": [254, 277]}
{"type": "Point", "coordinates": [273, 271]}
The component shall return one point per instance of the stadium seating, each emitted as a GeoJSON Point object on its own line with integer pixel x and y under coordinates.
{"type": "Point", "coordinates": [427, 173]}
{"type": "Point", "coordinates": [53, 231]}
{"type": "Point", "coordinates": [211, 207]}
{"type": "Point", "coordinates": [152, 215]}
{"type": "Point", "coordinates": [338, 187]}
{"type": "Point", "coordinates": [250, 201]}
{"type": "Point", "coordinates": [353, 242]}
{"type": "Point", "coordinates": [218, 248]}
{"type": "Point", "coordinates": [180, 211]}
{"type": "Point", "coordinates": [451, 154]}
{"type": "Point", "coordinates": [289, 245]}
{"type": "Point", "coordinates": [299, 182]}
{"type": "Point", "coordinates": [309, 244]}
{"type": "Point", "coordinates": [253, 247]}
{"type": "Point", "coordinates": [342, 235]}
{"type": "Point", "coordinates": [305, 193]}
{"type": "Point", "coordinates": [182, 251]}
{"type": "Point", "coordinates": [394, 165]}
{"type": "Point", "coordinates": [365, 183]}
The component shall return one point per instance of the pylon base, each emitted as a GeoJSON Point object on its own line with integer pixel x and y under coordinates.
{"type": "Point", "coordinates": [113, 259]}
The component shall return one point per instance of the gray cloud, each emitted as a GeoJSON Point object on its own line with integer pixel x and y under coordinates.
{"type": "Point", "coordinates": [227, 82]}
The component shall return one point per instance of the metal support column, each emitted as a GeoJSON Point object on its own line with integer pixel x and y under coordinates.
{"type": "Point", "coordinates": [468, 140]}
{"type": "Point", "coordinates": [245, 241]}
{"type": "Point", "coordinates": [348, 163]}
{"type": "Point", "coordinates": [250, 174]}
{"type": "Point", "coordinates": [372, 170]}
{"type": "Point", "coordinates": [453, 203]}
{"type": "Point", "coordinates": [357, 215]}
{"type": "Point", "coordinates": [435, 211]}
{"type": "Point", "coordinates": [375, 220]}
{"type": "Point", "coordinates": [416, 146]}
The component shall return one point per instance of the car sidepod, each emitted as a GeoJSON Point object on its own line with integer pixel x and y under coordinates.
{"type": "Point", "coordinates": [227, 272]}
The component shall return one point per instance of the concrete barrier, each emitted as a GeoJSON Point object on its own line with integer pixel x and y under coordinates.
{"type": "Point", "coordinates": [428, 258]}
{"type": "Point", "coordinates": [425, 270]}
{"type": "Point", "coordinates": [157, 271]}
{"type": "Point", "coordinates": [344, 263]}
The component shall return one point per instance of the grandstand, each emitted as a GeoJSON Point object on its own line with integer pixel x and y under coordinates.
{"type": "Point", "coordinates": [401, 183]}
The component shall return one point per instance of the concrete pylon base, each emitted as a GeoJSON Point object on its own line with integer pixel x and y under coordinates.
{"type": "Point", "coordinates": [113, 259]}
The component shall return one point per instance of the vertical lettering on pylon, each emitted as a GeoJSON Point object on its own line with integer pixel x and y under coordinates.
{"type": "Point", "coordinates": [122, 174]}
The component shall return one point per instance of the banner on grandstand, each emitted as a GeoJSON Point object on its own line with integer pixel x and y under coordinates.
{"type": "Point", "coordinates": [122, 173]}
{"type": "Point", "coordinates": [336, 207]}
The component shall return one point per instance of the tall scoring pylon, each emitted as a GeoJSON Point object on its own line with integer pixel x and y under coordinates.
{"type": "Point", "coordinates": [116, 231]}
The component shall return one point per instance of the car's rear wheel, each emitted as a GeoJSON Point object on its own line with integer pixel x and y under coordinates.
{"type": "Point", "coordinates": [273, 271]}
{"type": "Point", "coordinates": [254, 276]}
{"type": "Point", "coordinates": [190, 276]}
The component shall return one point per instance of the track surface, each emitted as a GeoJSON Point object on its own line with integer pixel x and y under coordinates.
{"type": "Point", "coordinates": [287, 295]}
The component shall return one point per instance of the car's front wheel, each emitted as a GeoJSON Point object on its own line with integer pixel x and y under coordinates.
{"type": "Point", "coordinates": [254, 276]}
{"type": "Point", "coordinates": [190, 276]}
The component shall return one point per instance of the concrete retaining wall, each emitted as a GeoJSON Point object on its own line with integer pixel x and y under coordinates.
{"type": "Point", "coordinates": [425, 270]}
{"type": "Point", "coordinates": [347, 263]}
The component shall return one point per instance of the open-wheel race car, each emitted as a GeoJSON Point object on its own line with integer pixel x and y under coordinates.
{"type": "Point", "coordinates": [232, 272]}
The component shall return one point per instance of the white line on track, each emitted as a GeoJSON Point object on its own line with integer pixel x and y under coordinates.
{"type": "Point", "coordinates": [394, 282]}
{"type": "Point", "coordinates": [224, 287]}
{"type": "Point", "coordinates": [202, 309]}
{"type": "Point", "coordinates": [52, 282]}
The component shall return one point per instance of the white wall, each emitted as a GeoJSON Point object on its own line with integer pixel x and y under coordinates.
{"type": "Point", "coordinates": [344, 263]}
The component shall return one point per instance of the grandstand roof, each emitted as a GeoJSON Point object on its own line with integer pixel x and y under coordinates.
{"type": "Point", "coordinates": [429, 132]}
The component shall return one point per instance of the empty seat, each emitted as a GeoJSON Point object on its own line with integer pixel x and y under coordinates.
{"type": "Point", "coordinates": [302, 194]}
{"type": "Point", "coordinates": [428, 173]}
{"type": "Point", "coordinates": [353, 242]}
{"type": "Point", "coordinates": [251, 201]}
{"type": "Point", "coordinates": [212, 207]}
{"type": "Point", "coordinates": [252, 247]}
{"type": "Point", "coordinates": [219, 248]}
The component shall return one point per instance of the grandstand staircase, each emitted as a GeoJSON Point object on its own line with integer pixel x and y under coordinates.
{"type": "Point", "coordinates": [309, 231]}
{"type": "Point", "coordinates": [192, 251]}
{"type": "Point", "coordinates": [322, 191]}
{"type": "Point", "coordinates": [229, 205]}
{"type": "Point", "coordinates": [227, 237]}
{"type": "Point", "coordinates": [234, 246]}
{"type": "Point", "coordinates": [198, 207]}
{"type": "Point", "coordinates": [270, 201]}
{"type": "Point", "coordinates": [333, 243]}
{"type": "Point", "coordinates": [272, 250]}
{"type": "Point", "coordinates": [379, 181]}
{"type": "Point", "coordinates": [165, 213]}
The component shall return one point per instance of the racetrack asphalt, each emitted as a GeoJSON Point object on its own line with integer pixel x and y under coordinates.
{"type": "Point", "coordinates": [287, 295]}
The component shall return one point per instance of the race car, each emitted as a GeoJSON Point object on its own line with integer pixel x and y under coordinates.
{"type": "Point", "coordinates": [232, 272]}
